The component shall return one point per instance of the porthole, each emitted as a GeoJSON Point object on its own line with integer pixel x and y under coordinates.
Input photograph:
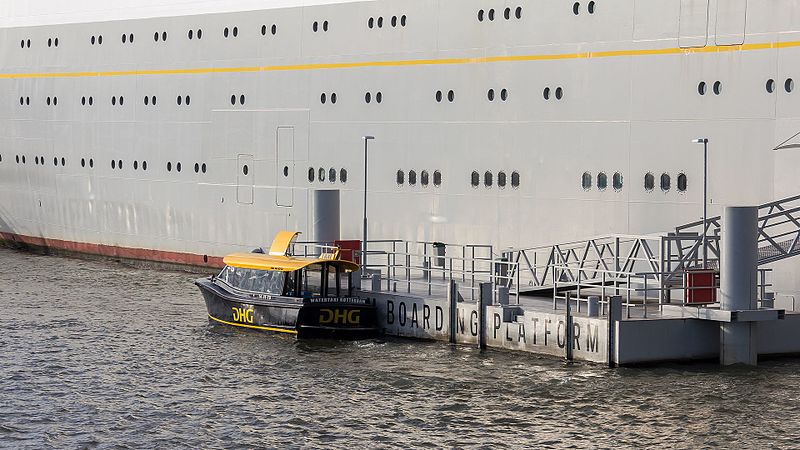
{"type": "Point", "coordinates": [380, 22]}
{"type": "Point", "coordinates": [136, 165]}
{"type": "Point", "coordinates": [311, 173]}
{"type": "Point", "coordinates": [437, 178]}
{"type": "Point", "coordinates": [178, 168]}
{"type": "Point", "coordinates": [48, 101]}
{"type": "Point", "coordinates": [164, 36]}
{"type": "Point", "coordinates": [371, 22]}
{"type": "Point", "coordinates": [770, 86]}
{"type": "Point", "coordinates": [196, 168]}
{"type": "Point", "coordinates": [701, 88]}
{"type": "Point", "coordinates": [50, 42]}
{"type": "Point", "coordinates": [518, 12]}
{"type": "Point", "coordinates": [124, 38]}
{"type": "Point", "coordinates": [394, 21]}
{"type": "Point", "coordinates": [146, 100]}
{"type": "Point", "coordinates": [682, 182]}
{"type": "Point", "coordinates": [144, 165]}
{"type": "Point", "coordinates": [649, 182]}
{"type": "Point", "coordinates": [285, 171]}
{"type": "Point", "coordinates": [241, 99]}
{"type": "Point", "coordinates": [507, 13]}
{"type": "Point", "coordinates": [188, 100]}
{"type": "Point", "coordinates": [424, 178]}
{"type": "Point", "coordinates": [199, 33]}
{"type": "Point", "coordinates": [501, 180]}
{"type": "Point", "coordinates": [717, 87]}
{"type": "Point", "coordinates": [130, 38]}
{"type": "Point", "coordinates": [504, 95]}
{"type": "Point", "coordinates": [576, 8]}
{"type": "Point", "coordinates": [83, 162]}
{"type": "Point", "coordinates": [17, 158]}
{"type": "Point", "coordinates": [412, 178]}
{"type": "Point", "coordinates": [490, 95]}
{"type": "Point", "coordinates": [235, 31]}
{"type": "Point", "coordinates": [153, 100]}
{"type": "Point", "coordinates": [100, 40]}
{"type": "Point", "coordinates": [343, 175]}
{"type": "Point", "coordinates": [515, 179]}
{"type": "Point", "coordinates": [274, 29]}
{"type": "Point", "coordinates": [451, 96]}
{"type": "Point", "coordinates": [439, 96]}
{"type": "Point", "coordinates": [315, 26]}
{"type": "Point", "coordinates": [28, 43]}
{"type": "Point", "coordinates": [401, 177]}
{"type": "Point", "coordinates": [92, 40]}
{"type": "Point", "coordinates": [666, 182]}
{"type": "Point", "coordinates": [179, 100]}
{"type": "Point", "coordinates": [83, 101]}
{"type": "Point", "coordinates": [403, 20]}
{"type": "Point", "coordinates": [333, 98]}
{"type": "Point", "coordinates": [331, 175]}
{"type": "Point", "coordinates": [368, 97]}
{"type": "Point", "coordinates": [617, 181]}
{"type": "Point", "coordinates": [480, 15]}
{"type": "Point", "coordinates": [113, 101]}
{"type": "Point", "coordinates": [191, 34]}
{"type": "Point", "coordinates": [602, 181]}
{"type": "Point", "coordinates": [91, 163]}
{"type": "Point", "coordinates": [56, 42]}
{"type": "Point", "coordinates": [245, 169]}
{"type": "Point", "coordinates": [203, 168]}
{"type": "Point", "coordinates": [590, 7]}
{"type": "Point", "coordinates": [169, 167]}
{"type": "Point", "coordinates": [155, 36]}
{"type": "Point", "coordinates": [323, 98]}
{"type": "Point", "coordinates": [119, 164]}
{"type": "Point", "coordinates": [36, 160]}
{"type": "Point", "coordinates": [379, 97]}
{"type": "Point", "coordinates": [559, 93]}
{"type": "Point", "coordinates": [321, 174]}
{"type": "Point", "coordinates": [488, 179]}
{"type": "Point", "coordinates": [789, 85]}
{"type": "Point", "coordinates": [113, 164]}
{"type": "Point", "coordinates": [491, 14]}
{"type": "Point", "coordinates": [586, 181]}
{"type": "Point", "coordinates": [325, 26]}
{"type": "Point", "coordinates": [475, 179]}
{"type": "Point", "coordinates": [55, 161]}
{"type": "Point", "coordinates": [233, 99]}
{"type": "Point", "coordinates": [546, 93]}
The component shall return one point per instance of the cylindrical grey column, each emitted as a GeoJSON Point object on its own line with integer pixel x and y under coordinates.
{"type": "Point", "coordinates": [738, 286]}
{"type": "Point", "coordinates": [326, 215]}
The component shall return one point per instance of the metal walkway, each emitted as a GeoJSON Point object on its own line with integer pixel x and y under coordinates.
{"type": "Point", "coordinates": [648, 265]}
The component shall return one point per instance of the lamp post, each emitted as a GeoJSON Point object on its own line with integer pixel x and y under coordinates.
{"type": "Point", "coordinates": [364, 242]}
{"type": "Point", "coordinates": [704, 141]}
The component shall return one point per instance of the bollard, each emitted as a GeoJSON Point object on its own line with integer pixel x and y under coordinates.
{"type": "Point", "coordinates": [593, 306]}
{"type": "Point", "coordinates": [568, 330]}
{"type": "Point", "coordinates": [614, 317]}
{"type": "Point", "coordinates": [738, 284]}
{"type": "Point", "coordinates": [484, 301]}
{"type": "Point", "coordinates": [452, 300]}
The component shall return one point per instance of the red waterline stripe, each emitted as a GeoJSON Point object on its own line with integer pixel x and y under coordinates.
{"type": "Point", "coordinates": [188, 259]}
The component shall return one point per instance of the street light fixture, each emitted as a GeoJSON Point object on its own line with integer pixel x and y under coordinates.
{"type": "Point", "coordinates": [364, 242]}
{"type": "Point", "coordinates": [704, 141]}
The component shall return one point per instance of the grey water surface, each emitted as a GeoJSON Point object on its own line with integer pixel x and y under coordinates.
{"type": "Point", "coordinates": [102, 355]}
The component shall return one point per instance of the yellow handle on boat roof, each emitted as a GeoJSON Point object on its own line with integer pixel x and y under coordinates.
{"type": "Point", "coordinates": [283, 240]}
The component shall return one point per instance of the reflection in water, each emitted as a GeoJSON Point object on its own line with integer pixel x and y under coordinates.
{"type": "Point", "coordinates": [101, 354]}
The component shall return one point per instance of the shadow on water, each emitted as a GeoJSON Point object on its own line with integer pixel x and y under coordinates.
{"type": "Point", "coordinates": [114, 356]}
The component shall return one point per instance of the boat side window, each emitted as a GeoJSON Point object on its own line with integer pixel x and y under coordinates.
{"type": "Point", "coordinates": [259, 281]}
{"type": "Point", "coordinates": [312, 281]}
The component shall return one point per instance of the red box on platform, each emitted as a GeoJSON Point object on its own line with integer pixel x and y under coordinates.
{"type": "Point", "coordinates": [701, 286]}
{"type": "Point", "coordinates": [349, 250]}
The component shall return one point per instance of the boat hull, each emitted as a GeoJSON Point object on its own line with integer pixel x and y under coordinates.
{"type": "Point", "coordinates": [346, 318]}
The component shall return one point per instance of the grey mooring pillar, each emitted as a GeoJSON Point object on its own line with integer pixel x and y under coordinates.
{"type": "Point", "coordinates": [738, 284]}
{"type": "Point", "coordinates": [326, 215]}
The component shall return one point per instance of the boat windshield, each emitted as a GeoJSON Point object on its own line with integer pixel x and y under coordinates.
{"type": "Point", "coordinates": [252, 280]}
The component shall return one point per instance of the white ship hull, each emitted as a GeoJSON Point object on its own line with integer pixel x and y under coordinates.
{"type": "Point", "coordinates": [628, 76]}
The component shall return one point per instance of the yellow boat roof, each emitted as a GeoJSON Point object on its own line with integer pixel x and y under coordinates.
{"type": "Point", "coordinates": [282, 263]}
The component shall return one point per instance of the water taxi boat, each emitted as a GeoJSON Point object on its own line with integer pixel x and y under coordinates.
{"type": "Point", "coordinates": [307, 296]}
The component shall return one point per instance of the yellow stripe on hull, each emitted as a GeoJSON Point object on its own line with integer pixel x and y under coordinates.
{"type": "Point", "coordinates": [413, 62]}
{"type": "Point", "coordinates": [254, 327]}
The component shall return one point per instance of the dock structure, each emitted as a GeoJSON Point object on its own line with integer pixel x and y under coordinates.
{"type": "Point", "coordinates": [615, 300]}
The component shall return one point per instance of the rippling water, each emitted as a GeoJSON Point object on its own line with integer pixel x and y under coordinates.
{"type": "Point", "coordinates": [96, 354]}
